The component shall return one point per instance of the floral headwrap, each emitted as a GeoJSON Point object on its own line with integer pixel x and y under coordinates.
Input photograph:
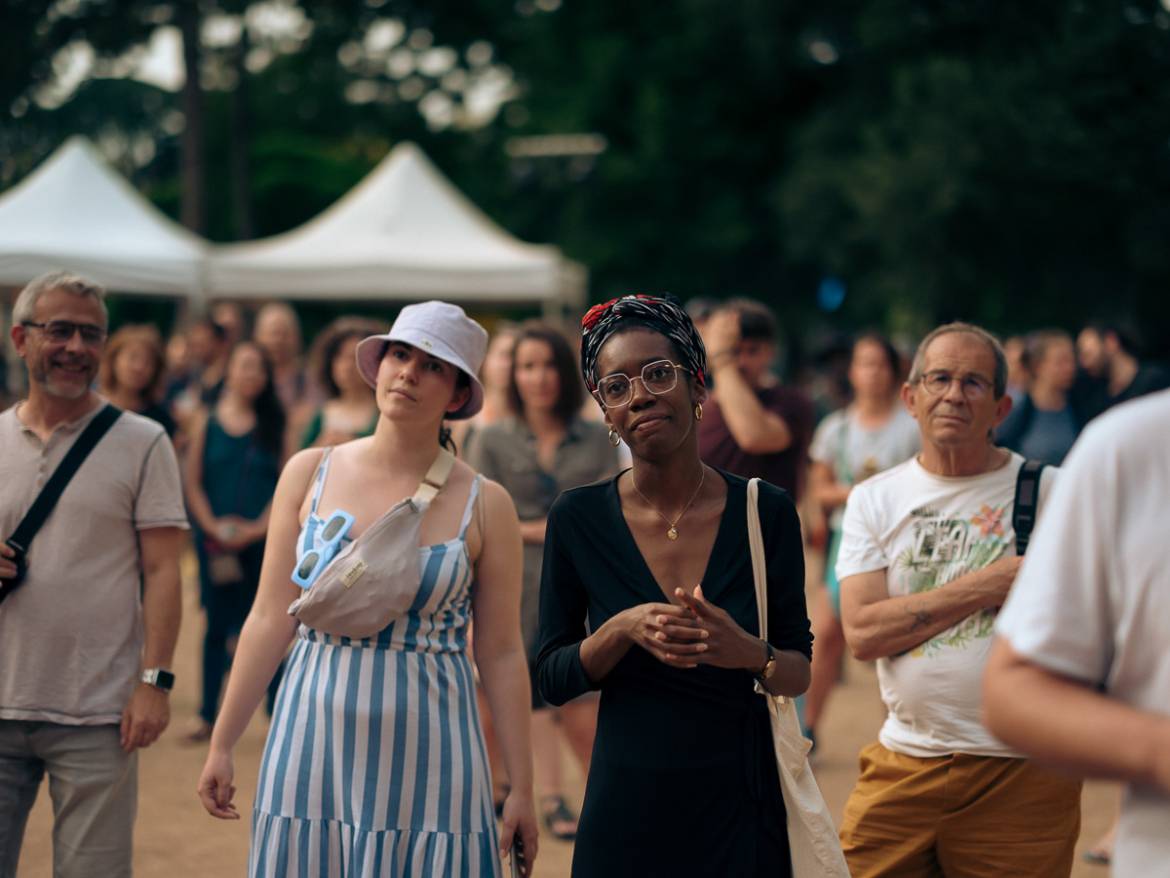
{"type": "Point", "coordinates": [661, 314]}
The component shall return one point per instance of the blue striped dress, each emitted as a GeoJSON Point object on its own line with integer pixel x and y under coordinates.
{"type": "Point", "coordinates": [375, 762]}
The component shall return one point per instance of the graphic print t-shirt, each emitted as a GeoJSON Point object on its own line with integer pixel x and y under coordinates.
{"type": "Point", "coordinates": [925, 531]}
{"type": "Point", "coordinates": [856, 453]}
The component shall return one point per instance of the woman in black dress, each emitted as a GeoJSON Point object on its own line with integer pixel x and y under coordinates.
{"type": "Point", "coordinates": [647, 594]}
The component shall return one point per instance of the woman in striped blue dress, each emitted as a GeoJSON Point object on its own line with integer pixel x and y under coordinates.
{"type": "Point", "coordinates": [375, 761]}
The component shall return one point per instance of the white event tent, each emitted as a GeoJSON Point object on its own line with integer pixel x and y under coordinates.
{"type": "Point", "coordinates": [403, 233]}
{"type": "Point", "coordinates": [76, 213]}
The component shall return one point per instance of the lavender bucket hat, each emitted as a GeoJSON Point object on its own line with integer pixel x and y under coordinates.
{"type": "Point", "coordinates": [440, 329]}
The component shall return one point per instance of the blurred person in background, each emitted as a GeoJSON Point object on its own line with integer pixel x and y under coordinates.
{"type": "Point", "coordinates": [232, 466]}
{"type": "Point", "coordinates": [1046, 420]}
{"type": "Point", "coordinates": [874, 433]}
{"type": "Point", "coordinates": [1110, 354]}
{"type": "Point", "coordinates": [542, 449]}
{"type": "Point", "coordinates": [700, 309]}
{"type": "Point", "coordinates": [496, 375]}
{"type": "Point", "coordinates": [132, 372]}
{"type": "Point", "coordinates": [278, 332]}
{"type": "Point", "coordinates": [230, 316]}
{"type": "Point", "coordinates": [350, 409]}
{"type": "Point", "coordinates": [753, 426]}
{"type": "Point", "coordinates": [1018, 378]}
{"type": "Point", "coordinates": [200, 384]}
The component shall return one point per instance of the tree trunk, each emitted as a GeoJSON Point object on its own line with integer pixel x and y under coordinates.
{"type": "Point", "coordinates": [241, 143]}
{"type": "Point", "coordinates": [193, 212]}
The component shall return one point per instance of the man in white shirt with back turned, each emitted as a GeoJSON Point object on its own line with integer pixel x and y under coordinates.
{"type": "Point", "coordinates": [1080, 673]}
{"type": "Point", "coordinates": [928, 555]}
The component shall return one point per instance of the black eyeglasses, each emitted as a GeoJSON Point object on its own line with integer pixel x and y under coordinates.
{"type": "Point", "coordinates": [60, 331]}
{"type": "Point", "coordinates": [658, 377]}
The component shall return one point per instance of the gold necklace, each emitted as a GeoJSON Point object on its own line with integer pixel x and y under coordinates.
{"type": "Point", "coordinates": [671, 534]}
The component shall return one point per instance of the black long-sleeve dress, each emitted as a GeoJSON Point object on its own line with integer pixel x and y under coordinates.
{"type": "Point", "coordinates": [683, 780]}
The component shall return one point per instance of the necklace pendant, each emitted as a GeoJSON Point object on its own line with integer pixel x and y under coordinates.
{"type": "Point", "coordinates": [672, 534]}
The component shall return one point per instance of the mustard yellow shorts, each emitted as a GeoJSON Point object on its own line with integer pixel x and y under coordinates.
{"type": "Point", "coordinates": [959, 816]}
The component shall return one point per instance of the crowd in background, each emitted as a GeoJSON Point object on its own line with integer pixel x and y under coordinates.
{"type": "Point", "coordinates": [239, 398]}
{"type": "Point", "coordinates": [238, 394]}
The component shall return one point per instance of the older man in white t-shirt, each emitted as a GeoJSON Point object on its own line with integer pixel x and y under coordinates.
{"type": "Point", "coordinates": [1080, 675]}
{"type": "Point", "coordinates": [928, 556]}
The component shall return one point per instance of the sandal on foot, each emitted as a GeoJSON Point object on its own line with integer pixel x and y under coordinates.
{"type": "Point", "coordinates": [199, 733]}
{"type": "Point", "coordinates": [1097, 856]}
{"type": "Point", "coordinates": [556, 814]}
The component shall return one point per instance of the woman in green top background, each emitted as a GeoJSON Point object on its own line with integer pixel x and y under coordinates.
{"type": "Point", "coordinates": [349, 410]}
{"type": "Point", "coordinates": [543, 448]}
{"type": "Point", "coordinates": [232, 465]}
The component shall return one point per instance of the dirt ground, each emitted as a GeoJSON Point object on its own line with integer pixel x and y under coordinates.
{"type": "Point", "coordinates": [175, 838]}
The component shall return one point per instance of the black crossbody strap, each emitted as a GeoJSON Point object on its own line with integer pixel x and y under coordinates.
{"type": "Point", "coordinates": [42, 507]}
{"type": "Point", "coordinates": [1027, 499]}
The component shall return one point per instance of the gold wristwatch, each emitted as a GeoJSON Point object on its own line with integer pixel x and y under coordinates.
{"type": "Point", "coordinates": [769, 665]}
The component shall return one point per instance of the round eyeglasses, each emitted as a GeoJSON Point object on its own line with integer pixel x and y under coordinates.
{"type": "Point", "coordinates": [658, 377]}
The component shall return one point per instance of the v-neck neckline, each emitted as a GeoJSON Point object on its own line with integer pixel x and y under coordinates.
{"type": "Point", "coordinates": [632, 543]}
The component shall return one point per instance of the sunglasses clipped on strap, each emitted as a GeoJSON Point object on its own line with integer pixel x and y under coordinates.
{"type": "Point", "coordinates": [310, 565]}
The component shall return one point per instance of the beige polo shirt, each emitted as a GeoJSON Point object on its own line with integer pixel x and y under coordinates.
{"type": "Point", "coordinates": [71, 635]}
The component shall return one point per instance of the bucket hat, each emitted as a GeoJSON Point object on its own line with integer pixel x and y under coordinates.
{"type": "Point", "coordinates": [440, 329]}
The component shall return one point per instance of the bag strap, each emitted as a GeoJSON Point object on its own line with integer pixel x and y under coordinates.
{"type": "Point", "coordinates": [42, 507]}
{"type": "Point", "coordinates": [759, 562]}
{"type": "Point", "coordinates": [435, 478]}
{"type": "Point", "coordinates": [319, 481]}
{"type": "Point", "coordinates": [1026, 502]}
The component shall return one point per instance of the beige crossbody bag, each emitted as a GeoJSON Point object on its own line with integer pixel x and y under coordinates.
{"type": "Point", "coordinates": [812, 837]}
{"type": "Point", "coordinates": [375, 579]}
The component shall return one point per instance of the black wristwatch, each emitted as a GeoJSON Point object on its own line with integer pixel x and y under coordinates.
{"type": "Point", "coordinates": [158, 678]}
{"type": "Point", "coordinates": [766, 672]}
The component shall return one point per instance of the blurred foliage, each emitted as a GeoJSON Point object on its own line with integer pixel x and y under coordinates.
{"type": "Point", "coordinates": [1003, 162]}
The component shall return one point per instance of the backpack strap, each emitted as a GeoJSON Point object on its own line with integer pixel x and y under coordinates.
{"type": "Point", "coordinates": [1026, 502]}
{"type": "Point", "coordinates": [435, 478]}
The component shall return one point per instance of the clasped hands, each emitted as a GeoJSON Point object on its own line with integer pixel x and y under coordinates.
{"type": "Point", "coordinates": [695, 632]}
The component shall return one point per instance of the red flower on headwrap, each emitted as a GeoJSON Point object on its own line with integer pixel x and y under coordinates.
{"type": "Point", "coordinates": [594, 314]}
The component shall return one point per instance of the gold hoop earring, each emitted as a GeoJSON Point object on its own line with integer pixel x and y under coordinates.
{"type": "Point", "coordinates": [698, 411]}
{"type": "Point", "coordinates": [614, 439]}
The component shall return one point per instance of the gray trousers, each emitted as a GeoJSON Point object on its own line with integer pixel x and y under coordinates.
{"type": "Point", "coordinates": [94, 788]}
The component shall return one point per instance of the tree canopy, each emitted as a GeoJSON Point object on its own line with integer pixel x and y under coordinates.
{"type": "Point", "coordinates": [1002, 162]}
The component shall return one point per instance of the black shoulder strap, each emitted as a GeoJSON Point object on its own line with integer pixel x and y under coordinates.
{"type": "Point", "coordinates": [43, 506]}
{"type": "Point", "coordinates": [1027, 499]}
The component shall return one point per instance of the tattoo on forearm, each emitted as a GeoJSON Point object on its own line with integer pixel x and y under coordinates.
{"type": "Point", "coordinates": [922, 619]}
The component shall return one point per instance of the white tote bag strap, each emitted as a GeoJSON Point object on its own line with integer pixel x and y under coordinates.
{"type": "Point", "coordinates": [812, 838]}
{"type": "Point", "coordinates": [435, 478]}
{"type": "Point", "coordinates": [759, 563]}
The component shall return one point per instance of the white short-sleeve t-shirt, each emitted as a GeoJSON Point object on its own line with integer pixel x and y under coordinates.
{"type": "Point", "coordinates": [1093, 598]}
{"type": "Point", "coordinates": [855, 453]}
{"type": "Point", "coordinates": [925, 531]}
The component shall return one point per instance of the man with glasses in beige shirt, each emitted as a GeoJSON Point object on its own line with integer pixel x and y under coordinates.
{"type": "Point", "coordinates": [88, 636]}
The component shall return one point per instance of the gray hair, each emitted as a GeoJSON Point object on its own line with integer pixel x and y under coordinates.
{"type": "Point", "coordinates": [1001, 364]}
{"type": "Point", "coordinates": [25, 308]}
